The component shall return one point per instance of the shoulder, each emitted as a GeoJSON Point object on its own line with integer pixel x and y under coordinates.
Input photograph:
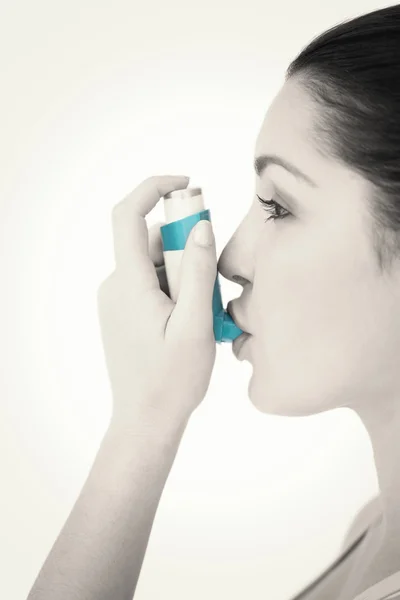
{"type": "Point", "coordinates": [369, 513]}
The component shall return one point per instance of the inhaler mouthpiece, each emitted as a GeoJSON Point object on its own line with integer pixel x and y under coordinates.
{"type": "Point", "coordinates": [183, 209]}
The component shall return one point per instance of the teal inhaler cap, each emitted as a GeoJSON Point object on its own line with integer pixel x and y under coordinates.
{"type": "Point", "coordinates": [225, 329]}
{"type": "Point", "coordinates": [174, 236]}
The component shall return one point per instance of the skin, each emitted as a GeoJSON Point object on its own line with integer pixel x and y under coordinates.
{"type": "Point", "coordinates": [159, 371]}
{"type": "Point", "coordinates": [324, 320]}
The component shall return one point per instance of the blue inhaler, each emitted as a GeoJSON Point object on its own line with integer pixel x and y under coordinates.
{"type": "Point", "coordinates": [183, 209]}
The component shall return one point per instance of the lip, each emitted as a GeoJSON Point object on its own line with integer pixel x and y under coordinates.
{"type": "Point", "coordinates": [232, 311]}
{"type": "Point", "coordinates": [238, 343]}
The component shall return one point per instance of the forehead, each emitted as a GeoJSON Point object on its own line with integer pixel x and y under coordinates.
{"type": "Point", "coordinates": [288, 131]}
{"type": "Point", "coordinates": [287, 127]}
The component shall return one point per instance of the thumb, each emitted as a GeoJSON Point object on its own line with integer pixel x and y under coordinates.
{"type": "Point", "coordinates": [197, 279]}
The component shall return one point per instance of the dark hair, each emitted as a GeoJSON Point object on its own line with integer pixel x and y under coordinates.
{"type": "Point", "coordinates": [352, 72]}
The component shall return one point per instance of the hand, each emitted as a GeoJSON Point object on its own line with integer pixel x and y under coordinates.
{"type": "Point", "coordinates": [156, 253]}
{"type": "Point", "coordinates": [159, 355]}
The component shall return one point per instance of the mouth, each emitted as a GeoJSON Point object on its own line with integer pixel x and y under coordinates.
{"type": "Point", "coordinates": [238, 343]}
{"type": "Point", "coordinates": [232, 312]}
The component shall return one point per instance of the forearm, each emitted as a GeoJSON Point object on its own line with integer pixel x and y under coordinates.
{"type": "Point", "coordinates": [99, 553]}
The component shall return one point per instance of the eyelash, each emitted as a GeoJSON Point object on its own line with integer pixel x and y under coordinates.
{"type": "Point", "coordinates": [274, 208]}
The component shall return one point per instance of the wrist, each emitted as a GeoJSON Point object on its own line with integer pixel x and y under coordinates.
{"type": "Point", "coordinates": [147, 422]}
{"type": "Point", "coordinates": [149, 438]}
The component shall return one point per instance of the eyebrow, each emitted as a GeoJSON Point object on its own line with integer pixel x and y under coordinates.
{"type": "Point", "coordinates": [261, 163]}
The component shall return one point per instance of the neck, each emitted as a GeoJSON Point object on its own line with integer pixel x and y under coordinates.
{"type": "Point", "coordinates": [382, 422]}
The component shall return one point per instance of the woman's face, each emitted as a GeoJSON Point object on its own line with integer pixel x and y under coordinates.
{"type": "Point", "coordinates": [324, 321]}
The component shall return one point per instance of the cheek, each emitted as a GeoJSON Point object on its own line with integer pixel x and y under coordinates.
{"type": "Point", "coordinates": [315, 301]}
{"type": "Point", "coordinates": [307, 279]}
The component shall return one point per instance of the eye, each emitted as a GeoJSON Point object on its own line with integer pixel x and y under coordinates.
{"type": "Point", "coordinates": [274, 208]}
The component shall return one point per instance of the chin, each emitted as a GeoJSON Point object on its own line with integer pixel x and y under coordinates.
{"type": "Point", "coordinates": [280, 401]}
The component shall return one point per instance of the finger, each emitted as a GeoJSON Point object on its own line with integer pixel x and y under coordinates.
{"type": "Point", "coordinates": [131, 244]}
{"type": "Point", "coordinates": [156, 249]}
{"type": "Point", "coordinates": [156, 252]}
{"type": "Point", "coordinates": [193, 310]}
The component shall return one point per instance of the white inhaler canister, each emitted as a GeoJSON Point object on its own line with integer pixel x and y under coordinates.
{"type": "Point", "coordinates": [183, 209]}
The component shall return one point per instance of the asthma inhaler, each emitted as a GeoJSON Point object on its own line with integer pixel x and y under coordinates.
{"type": "Point", "coordinates": [183, 209]}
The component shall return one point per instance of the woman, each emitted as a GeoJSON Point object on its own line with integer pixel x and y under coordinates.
{"type": "Point", "coordinates": [320, 300]}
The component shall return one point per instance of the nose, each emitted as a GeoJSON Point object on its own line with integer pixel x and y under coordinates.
{"type": "Point", "coordinates": [240, 280]}
{"type": "Point", "coordinates": [236, 262]}
{"type": "Point", "coordinates": [227, 269]}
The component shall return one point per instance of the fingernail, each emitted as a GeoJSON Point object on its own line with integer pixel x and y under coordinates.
{"type": "Point", "coordinates": [203, 234]}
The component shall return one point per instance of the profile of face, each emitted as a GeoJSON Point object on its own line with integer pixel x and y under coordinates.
{"type": "Point", "coordinates": [324, 320]}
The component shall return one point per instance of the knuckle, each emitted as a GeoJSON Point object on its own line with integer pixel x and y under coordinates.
{"type": "Point", "coordinates": [155, 243]}
{"type": "Point", "coordinates": [101, 294]}
{"type": "Point", "coordinates": [153, 182]}
{"type": "Point", "coordinates": [153, 232]}
{"type": "Point", "coordinates": [154, 235]}
{"type": "Point", "coordinates": [117, 211]}
{"type": "Point", "coordinates": [106, 288]}
{"type": "Point", "coordinates": [156, 226]}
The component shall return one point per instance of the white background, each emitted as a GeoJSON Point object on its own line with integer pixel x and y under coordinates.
{"type": "Point", "coordinates": [96, 96]}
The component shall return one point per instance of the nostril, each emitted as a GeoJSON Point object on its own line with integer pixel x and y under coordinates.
{"type": "Point", "coordinates": [239, 279]}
